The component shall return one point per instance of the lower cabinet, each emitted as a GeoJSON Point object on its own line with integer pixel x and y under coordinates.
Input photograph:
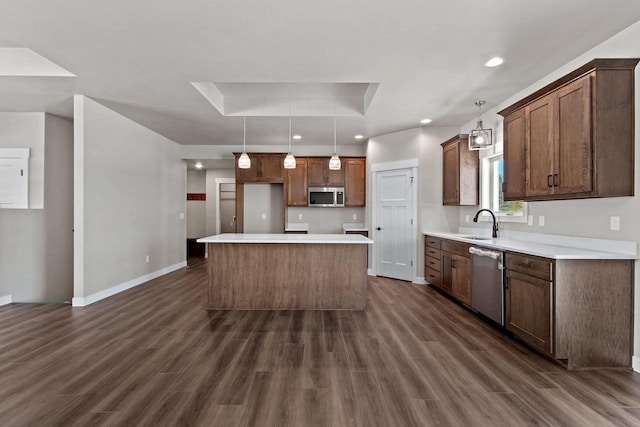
{"type": "Point", "coordinates": [447, 266]}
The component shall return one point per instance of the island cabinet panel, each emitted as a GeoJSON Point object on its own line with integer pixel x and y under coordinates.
{"type": "Point", "coordinates": [578, 136]}
{"type": "Point", "coordinates": [287, 276]}
{"type": "Point", "coordinates": [295, 181]}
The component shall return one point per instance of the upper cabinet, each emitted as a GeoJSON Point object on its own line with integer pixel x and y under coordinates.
{"type": "Point", "coordinates": [460, 172]}
{"type": "Point", "coordinates": [265, 167]}
{"type": "Point", "coordinates": [355, 182]}
{"type": "Point", "coordinates": [573, 138]}
{"type": "Point", "coordinates": [319, 174]}
{"type": "Point", "coordinates": [295, 182]}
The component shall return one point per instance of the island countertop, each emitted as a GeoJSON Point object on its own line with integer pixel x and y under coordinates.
{"type": "Point", "coordinates": [287, 238]}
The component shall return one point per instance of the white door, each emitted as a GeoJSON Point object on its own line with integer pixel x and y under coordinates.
{"type": "Point", "coordinates": [393, 231]}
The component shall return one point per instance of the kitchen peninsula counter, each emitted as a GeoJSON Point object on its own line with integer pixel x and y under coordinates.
{"type": "Point", "coordinates": [287, 271]}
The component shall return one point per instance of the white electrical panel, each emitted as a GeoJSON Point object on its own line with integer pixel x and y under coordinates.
{"type": "Point", "coordinates": [14, 178]}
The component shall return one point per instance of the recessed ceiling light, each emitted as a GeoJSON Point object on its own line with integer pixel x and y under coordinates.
{"type": "Point", "coordinates": [425, 121]}
{"type": "Point", "coordinates": [297, 137]}
{"type": "Point", "coordinates": [359, 136]}
{"type": "Point", "coordinates": [198, 165]}
{"type": "Point", "coordinates": [494, 62]}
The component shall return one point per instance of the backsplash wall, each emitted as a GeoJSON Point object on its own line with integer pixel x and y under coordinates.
{"type": "Point", "coordinates": [325, 220]}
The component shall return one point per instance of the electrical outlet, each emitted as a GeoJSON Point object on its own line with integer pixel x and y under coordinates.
{"type": "Point", "coordinates": [530, 220]}
{"type": "Point", "coordinates": [614, 223]}
{"type": "Point", "coordinates": [541, 220]}
{"type": "Point", "coordinates": [299, 217]}
{"type": "Point", "coordinates": [147, 259]}
{"type": "Point", "coordinates": [264, 216]}
{"type": "Point", "coordinates": [181, 215]}
{"type": "Point", "coordinates": [355, 216]}
{"type": "Point", "coordinates": [466, 218]}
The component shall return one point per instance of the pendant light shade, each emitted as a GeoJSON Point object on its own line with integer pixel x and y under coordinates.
{"type": "Point", "coordinates": [244, 162]}
{"type": "Point", "coordinates": [334, 161]}
{"type": "Point", "coordinates": [480, 137]}
{"type": "Point", "coordinates": [289, 161]}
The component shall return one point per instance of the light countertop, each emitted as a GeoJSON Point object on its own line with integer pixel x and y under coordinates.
{"type": "Point", "coordinates": [537, 249]}
{"type": "Point", "coordinates": [287, 238]}
{"type": "Point", "coordinates": [348, 226]}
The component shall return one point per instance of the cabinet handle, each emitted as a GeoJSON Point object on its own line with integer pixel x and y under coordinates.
{"type": "Point", "coordinates": [549, 181]}
{"type": "Point", "coordinates": [453, 263]}
{"type": "Point", "coordinates": [555, 180]}
{"type": "Point", "coordinates": [523, 264]}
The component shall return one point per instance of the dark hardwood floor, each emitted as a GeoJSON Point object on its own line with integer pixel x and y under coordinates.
{"type": "Point", "coordinates": [153, 356]}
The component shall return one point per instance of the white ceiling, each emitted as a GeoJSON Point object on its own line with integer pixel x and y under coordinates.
{"type": "Point", "coordinates": [140, 57]}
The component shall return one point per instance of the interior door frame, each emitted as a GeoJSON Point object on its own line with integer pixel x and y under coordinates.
{"type": "Point", "coordinates": [218, 182]}
{"type": "Point", "coordinates": [384, 167]}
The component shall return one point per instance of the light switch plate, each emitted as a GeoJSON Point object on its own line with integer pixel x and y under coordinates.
{"type": "Point", "coordinates": [530, 220]}
{"type": "Point", "coordinates": [264, 216]}
{"type": "Point", "coordinates": [466, 218]}
{"type": "Point", "coordinates": [299, 216]}
{"type": "Point", "coordinates": [181, 215]}
{"type": "Point", "coordinates": [614, 223]}
{"type": "Point", "coordinates": [541, 220]}
{"type": "Point", "coordinates": [355, 216]}
{"type": "Point", "coordinates": [147, 259]}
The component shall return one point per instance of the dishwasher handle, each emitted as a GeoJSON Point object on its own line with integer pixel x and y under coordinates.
{"type": "Point", "coordinates": [482, 252]}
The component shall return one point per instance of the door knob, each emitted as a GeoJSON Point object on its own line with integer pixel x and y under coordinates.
{"type": "Point", "coordinates": [379, 228]}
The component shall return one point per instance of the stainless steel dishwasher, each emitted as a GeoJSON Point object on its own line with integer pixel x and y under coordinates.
{"type": "Point", "coordinates": [487, 282]}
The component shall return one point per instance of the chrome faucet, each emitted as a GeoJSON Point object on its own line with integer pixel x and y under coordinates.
{"type": "Point", "coordinates": [495, 222]}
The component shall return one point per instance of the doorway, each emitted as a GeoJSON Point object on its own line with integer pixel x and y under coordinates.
{"type": "Point", "coordinates": [394, 220]}
{"type": "Point", "coordinates": [226, 205]}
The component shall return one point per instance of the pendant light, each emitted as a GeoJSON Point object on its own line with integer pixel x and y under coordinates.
{"type": "Point", "coordinates": [289, 161]}
{"type": "Point", "coordinates": [334, 161]}
{"type": "Point", "coordinates": [480, 138]}
{"type": "Point", "coordinates": [244, 162]}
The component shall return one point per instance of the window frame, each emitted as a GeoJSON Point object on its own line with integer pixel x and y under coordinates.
{"type": "Point", "coordinates": [486, 195]}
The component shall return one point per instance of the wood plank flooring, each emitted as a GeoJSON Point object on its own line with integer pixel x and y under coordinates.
{"type": "Point", "coordinates": [154, 356]}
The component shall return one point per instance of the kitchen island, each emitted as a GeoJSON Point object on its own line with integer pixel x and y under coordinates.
{"type": "Point", "coordinates": [287, 271]}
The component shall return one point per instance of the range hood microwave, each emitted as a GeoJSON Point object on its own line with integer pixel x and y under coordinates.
{"type": "Point", "coordinates": [326, 197]}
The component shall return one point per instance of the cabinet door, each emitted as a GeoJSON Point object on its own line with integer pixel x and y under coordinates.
{"type": "Point", "coordinates": [461, 281]}
{"type": "Point", "coordinates": [513, 187]}
{"type": "Point", "coordinates": [316, 172]}
{"type": "Point", "coordinates": [573, 167]}
{"type": "Point", "coordinates": [335, 178]}
{"type": "Point", "coordinates": [355, 182]}
{"type": "Point", "coordinates": [540, 147]}
{"type": "Point", "coordinates": [296, 184]}
{"type": "Point", "coordinates": [271, 168]}
{"type": "Point", "coordinates": [447, 272]}
{"type": "Point", "coordinates": [251, 174]}
{"type": "Point", "coordinates": [451, 174]}
{"type": "Point", "coordinates": [529, 309]}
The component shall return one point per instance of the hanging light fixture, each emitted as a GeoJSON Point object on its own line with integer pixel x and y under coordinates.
{"type": "Point", "coordinates": [244, 162]}
{"type": "Point", "coordinates": [334, 161]}
{"type": "Point", "coordinates": [480, 137]}
{"type": "Point", "coordinates": [289, 161]}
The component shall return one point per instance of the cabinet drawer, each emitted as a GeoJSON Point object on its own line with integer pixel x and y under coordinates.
{"type": "Point", "coordinates": [432, 263]}
{"type": "Point", "coordinates": [530, 265]}
{"type": "Point", "coordinates": [432, 276]}
{"type": "Point", "coordinates": [457, 248]}
{"type": "Point", "coordinates": [432, 242]}
{"type": "Point", "coordinates": [433, 253]}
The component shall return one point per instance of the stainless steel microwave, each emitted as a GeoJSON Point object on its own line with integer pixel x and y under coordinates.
{"type": "Point", "coordinates": [326, 197]}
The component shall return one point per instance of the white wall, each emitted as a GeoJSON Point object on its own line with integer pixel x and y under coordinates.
{"type": "Point", "coordinates": [36, 248]}
{"type": "Point", "coordinates": [196, 209]}
{"type": "Point", "coordinates": [422, 144]}
{"type": "Point", "coordinates": [267, 200]}
{"type": "Point", "coordinates": [212, 203]}
{"type": "Point", "coordinates": [325, 220]}
{"type": "Point", "coordinates": [588, 217]}
{"type": "Point", "coordinates": [130, 191]}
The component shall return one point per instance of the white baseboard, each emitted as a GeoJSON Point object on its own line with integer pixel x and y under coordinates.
{"type": "Point", "coordinates": [635, 363]}
{"type": "Point", "coordinates": [419, 281]}
{"type": "Point", "coordinates": [5, 299]}
{"type": "Point", "coordinates": [90, 299]}
{"type": "Point", "coordinates": [370, 272]}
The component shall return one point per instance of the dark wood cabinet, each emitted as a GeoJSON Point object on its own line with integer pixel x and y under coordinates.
{"type": "Point", "coordinates": [460, 172]}
{"type": "Point", "coordinates": [265, 167]}
{"type": "Point", "coordinates": [575, 135]}
{"type": "Point", "coordinates": [319, 174]}
{"type": "Point", "coordinates": [529, 301]}
{"type": "Point", "coordinates": [355, 188]}
{"type": "Point", "coordinates": [295, 181]}
{"type": "Point", "coordinates": [447, 266]}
